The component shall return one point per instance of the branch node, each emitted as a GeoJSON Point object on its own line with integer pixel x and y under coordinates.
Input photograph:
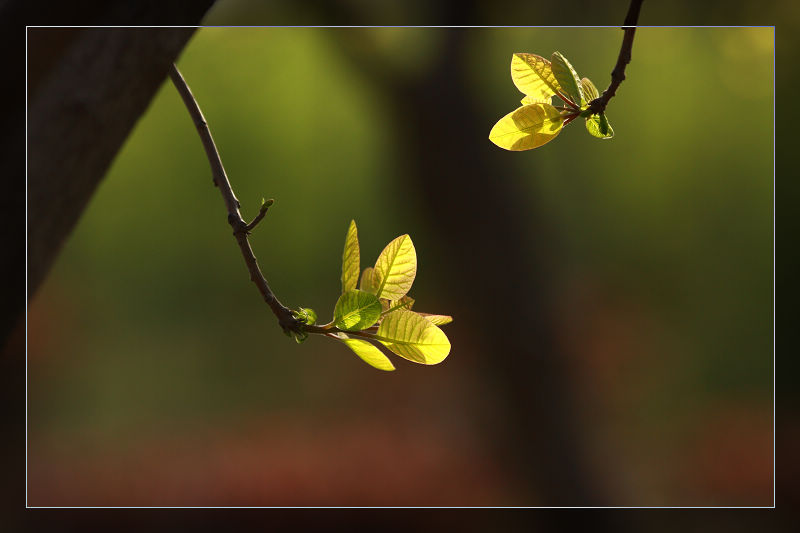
{"type": "Point", "coordinates": [265, 204]}
{"type": "Point", "coordinates": [598, 105]}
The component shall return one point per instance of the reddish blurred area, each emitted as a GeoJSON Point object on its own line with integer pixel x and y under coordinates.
{"type": "Point", "coordinates": [275, 461]}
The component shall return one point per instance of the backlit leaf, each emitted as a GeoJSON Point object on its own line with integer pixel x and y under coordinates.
{"type": "Point", "coordinates": [406, 302]}
{"type": "Point", "coordinates": [368, 352]}
{"type": "Point", "coordinates": [439, 320]}
{"type": "Point", "coordinates": [412, 336]}
{"type": "Point", "coordinates": [533, 76]}
{"type": "Point", "coordinates": [605, 127]}
{"type": "Point", "coordinates": [567, 77]}
{"type": "Point", "coordinates": [595, 125]}
{"type": "Point", "coordinates": [395, 269]}
{"type": "Point", "coordinates": [527, 100]}
{"type": "Point", "coordinates": [589, 91]}
{"type": "Point", "coordinates": [356, 310]}
{"type": "Point", "coordinates": [368, 281]}
{"type": "Point", "coordinates": [351, 259]}
{"type": "Point", "coordinates": [527, 127]}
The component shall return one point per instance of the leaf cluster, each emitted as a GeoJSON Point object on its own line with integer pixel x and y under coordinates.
{"type": "Point", "coordinates": [541, 118]}
{"type": "Point", "coordinates": [374, 308]}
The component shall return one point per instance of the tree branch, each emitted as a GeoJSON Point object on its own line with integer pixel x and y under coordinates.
{"type": "Point", "coordinates": [286, 318]}
{"type": "Point", "coordinates": [598, 105]}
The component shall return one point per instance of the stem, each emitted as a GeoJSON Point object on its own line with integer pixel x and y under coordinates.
{"type": "Point", "coordinates": [286, 319]}
{"type": "Point", "coordinates": [598, 105]}
{"type": "Point", "coordinates": [330, 330]}
{"type": "Point", "coordinates": [572, 105]}
{"type": "Point", "coordinates": [570, 118]}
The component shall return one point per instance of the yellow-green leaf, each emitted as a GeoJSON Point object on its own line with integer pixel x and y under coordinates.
{"type": "Point", "coordinates": [356, 310]}
{"type": "Point", "coordinates": [368, 352]}
{"type": "Point", "coordinates": [533, 76]}
{"type": "Point", "coordinates": [589, 91]}
{"type": "Point", "coordinates": [368, 281]}
{"type": "Point", "coordinates": [567, 77]}
{"type": "Point", "coordinates": [395, 269]}
{"type": "Point", "coordinates": [406, 302]}
{"type": "Point", "coordinates": [527, 100]}
{"type": "Point", "coordinates": [412, 336]}
{"type": "Point", "coordinates": [351, 259]}
{"type": "Point", "coordinates": [527, 127]}
{"type": "Point", "coordinates": [439, 320]}
{"type": "Point", "coordinates": [598, 126]}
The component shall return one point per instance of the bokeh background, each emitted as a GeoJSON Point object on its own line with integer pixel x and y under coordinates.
{"type": "Point", "coordinates": [613, 300]}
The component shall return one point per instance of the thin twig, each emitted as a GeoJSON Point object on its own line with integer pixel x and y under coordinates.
{"type": "Point", "coordinates": [260, 215]}
{"type": "Point", "coordinates": [598, 105]}
{"type": "Point", "coordinates": [240, 229]}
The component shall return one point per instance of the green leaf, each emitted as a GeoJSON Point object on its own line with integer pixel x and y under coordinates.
{"type": "Point", "coordinates": [598, 126]}
{"type": "Point", "coordinates": [527, 100]}
{"type": "Point", "coordinates": [356, 310]}
{"type": "Point", "coordinates": [412, 336]}
{"type": "Point", "coordinates": [533, 76]}
{"type": "Point", "coordinates": [306, 315]}
{"type": "Point", "coordinates": [567, 77]}
{"type": "Point", "coordinates": [351, 259]}
{"type": "Point", "coordinates": [589, 91]}
{"type": "Point", "coordinates": [368, 281]}
{"type": "Point", "coordinates": [605, 127]}
{"type": "Point", "coordinates": [439, 320]}
{"type": "Point", "coordinates": [395, 269]}
{"type": "Point", "coordinates": [368, 352]}
{"type": "Point", "coordinates": [527, 127]}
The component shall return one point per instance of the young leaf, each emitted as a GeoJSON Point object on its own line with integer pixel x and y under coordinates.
{"type": "Point", "coordinates": [351, 259]}
{"type": "Point", "coordinates": [605, 127]}
{"type": "Point", "coordinates": [598, 126]}
{"type": "Point", "coordinates": [413, 337]}
{"type": "Point", "coordinates": [356, 310]}
{"type": "Point", "coordinates": [306, 315]}
{"type": "Point", "coordinates": [439, 320]}
{"type": "Point", "coordinates": [368, 281]}
{"type": "Point", "coordinates": [533, 76]}
{"type": "Point", "coordinates": [527, 127]}
{"type": "Point", "coordinates": [589, 91]}
{"type": "Point", "coordinates": [527, 100]}
{"type": "Point", "coordinates": [567, 77]}
{"type": "Point", "coordinates": [368, 352]}
{"type": "Point", "coordinates": [395, 269]}
{"type": "Point", "coordinates": [406, 302]}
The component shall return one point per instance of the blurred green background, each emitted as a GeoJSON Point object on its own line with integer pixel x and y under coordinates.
{"type": "Point", "coordinates": [157, 376]}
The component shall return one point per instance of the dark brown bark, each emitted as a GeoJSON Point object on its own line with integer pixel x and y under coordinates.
{"type": "Point", "coordinates": [87, 87]}
{"type": "Point", "coordinates": [81, 110]}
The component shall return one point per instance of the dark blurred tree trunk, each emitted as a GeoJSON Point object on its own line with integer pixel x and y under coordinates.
{"type": "Point", "coordinates": [86, 90]}
{"type": "Point", "coordinates": [495, 248]}
{"type": "Point", "coordinates": [83, 105]}
{"type": "Point", "coordinates": [87, 87]}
